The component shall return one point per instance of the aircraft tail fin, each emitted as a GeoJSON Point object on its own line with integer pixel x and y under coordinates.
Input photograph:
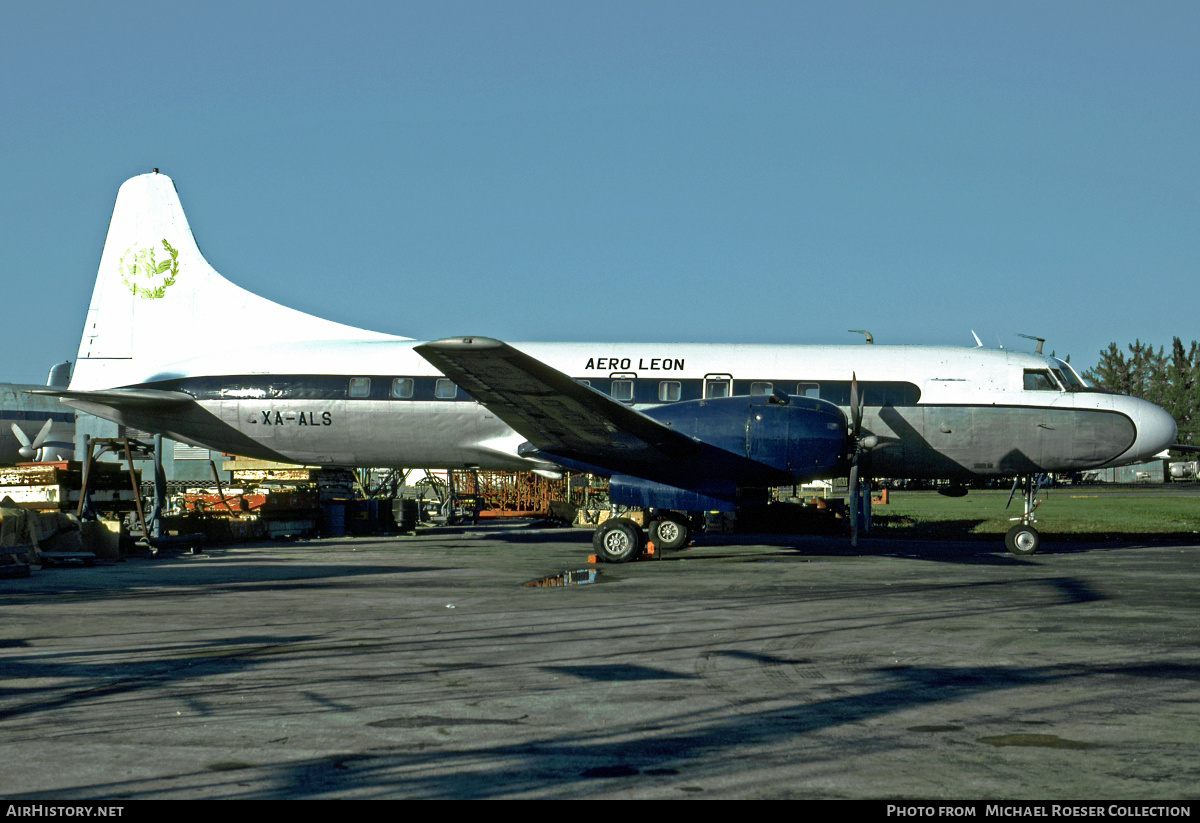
{"type": "Point", "coordinates": [156, 297]}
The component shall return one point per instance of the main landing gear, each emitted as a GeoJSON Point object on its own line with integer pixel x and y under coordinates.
{"type": "Point", "coordinates": [1023, 539]}
{"type": "Point", "coordinates": [619, 539]}
{"type": "Point", "coordinates": [670, 530]}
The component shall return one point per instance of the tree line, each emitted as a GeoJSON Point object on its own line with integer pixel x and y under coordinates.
{"type": "Point", "coordinates": [1170, 380]}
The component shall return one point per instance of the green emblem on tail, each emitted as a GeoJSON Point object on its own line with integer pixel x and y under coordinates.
{"type": "Point", "coordinates": [145, 276]}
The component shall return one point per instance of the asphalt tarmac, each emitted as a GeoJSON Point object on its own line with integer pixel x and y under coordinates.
{"type": "Point", "coordinates": [746, 667]}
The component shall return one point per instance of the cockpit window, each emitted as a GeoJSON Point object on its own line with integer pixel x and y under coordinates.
{"type": "Point", "coordinates": [1039, 381]}
{"type": "Point", "coordinates": [1068, 377]}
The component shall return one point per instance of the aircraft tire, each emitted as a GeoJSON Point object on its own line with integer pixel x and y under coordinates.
{"type": "Point", "coordinates": [670, 532]}
{"type": "Point", "coordinates": [617, 540]}
{"type": "Point", "coordinates": [1022, 540]}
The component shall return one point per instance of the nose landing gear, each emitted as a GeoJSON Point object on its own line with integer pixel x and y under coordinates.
{"type": "Point", "coordinates": [1023, 539]}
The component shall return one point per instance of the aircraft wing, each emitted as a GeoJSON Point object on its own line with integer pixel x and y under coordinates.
{"type": "Point", "coordinates": [557, 413]}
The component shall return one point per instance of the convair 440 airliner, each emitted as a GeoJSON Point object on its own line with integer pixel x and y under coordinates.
{"type": "Point", "coordinates": [678, 428]}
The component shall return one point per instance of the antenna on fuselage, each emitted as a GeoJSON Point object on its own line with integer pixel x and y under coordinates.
{"type": "Point", "coordinates": [1040, 341]}
{"type": "Point", "coordinates": [870, 339]}
{"type": "Point", "coordinates": [978, 342]}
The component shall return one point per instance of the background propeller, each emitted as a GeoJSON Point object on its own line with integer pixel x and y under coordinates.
{"type": "Point", "coordinates": [29, 449]}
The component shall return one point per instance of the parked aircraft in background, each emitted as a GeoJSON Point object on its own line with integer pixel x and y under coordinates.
{"type": "Point", "coordinates": [35, 428]}
{"type": "Point", "coordinates": [677, 428]}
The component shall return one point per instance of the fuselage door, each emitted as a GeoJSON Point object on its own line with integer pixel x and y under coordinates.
{"type": "Point", "coordinates": [717, 385]}
{"type": "Point", "coordinates": [242, 408]}
{"type": "Point", "coordinates": [623, 387]}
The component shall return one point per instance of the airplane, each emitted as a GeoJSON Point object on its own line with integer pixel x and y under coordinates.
{"type": "Point", "coordinates": [35, 428]}
{"type": "Point", "coordinates": [677, 428]}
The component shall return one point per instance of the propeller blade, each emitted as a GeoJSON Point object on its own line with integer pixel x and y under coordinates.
{"type": "Point", "coordinates": [855, 501]}
{"type": "Point", "coordinates": [21, 438]}
{"type": "Point", "coordinates": [42, 434]}
{"type": "Point", "coordinates": [855, 406]}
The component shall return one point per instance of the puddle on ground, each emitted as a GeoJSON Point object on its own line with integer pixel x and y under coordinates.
{"type": "Point", "coordinates": [436, 721]}
{"type": "Point", "coordinates": [609, 771]}
{"type": "Point", "coordinates": [1046, 741]}
{"type": "Point", "coordinates": [579, 577]}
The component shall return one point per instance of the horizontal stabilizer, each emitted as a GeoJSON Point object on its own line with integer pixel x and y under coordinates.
{"type": "Point", "coordinates": [130, 407]}
{"type": "Point", "coordinates": [173, 414]}
{"type": "Point", "coordinates": [120, 398]}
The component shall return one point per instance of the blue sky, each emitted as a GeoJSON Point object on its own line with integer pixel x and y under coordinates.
{"type": "Point", "coordinates": [659, 171]}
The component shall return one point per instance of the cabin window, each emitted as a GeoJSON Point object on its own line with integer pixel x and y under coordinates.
{"type": "Point", "coordinates": [716, 388]}
{"type": "Point", "coordinates": [760, 389]}
{"type": "Point", "coordinates": [812, 390]}
{"type": "Point", "coordinates": [622, 390]}
{"type": "Point", "coordinates": [584, 382]}
{"type": "Point", "coordinates": [360, 387]}
{"type": "Point", "coordinates": [402, 387]}
{"type": "Point", "coordinates": [668, 391]}
{"type": "Point", "coordinates": [1039, 381]}
{"type": "Point", "coordinates": [445, 389]}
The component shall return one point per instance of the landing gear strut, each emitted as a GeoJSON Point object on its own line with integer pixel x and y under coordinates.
{"type": "Point", "coordinates": [1023, 539]}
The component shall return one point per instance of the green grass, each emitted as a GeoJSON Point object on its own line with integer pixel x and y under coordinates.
{"type": "Point", "coordinates": [1087, 511]}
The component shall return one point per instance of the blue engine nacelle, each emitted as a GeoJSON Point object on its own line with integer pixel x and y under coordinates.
{"type": "Point", "coordinates": [800, 437]}
{"type": "Point", "coordinates": [750, 442]}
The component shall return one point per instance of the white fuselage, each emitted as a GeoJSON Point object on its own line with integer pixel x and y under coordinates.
{"type": "Point", "coordinates": [938, 412]}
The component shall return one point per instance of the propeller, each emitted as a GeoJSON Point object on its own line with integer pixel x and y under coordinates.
{"type": "Point", "coordinates": [855, 407]}
{"type": "Point", "coordinates": [859, 446]}
{"type": "Point", "coordinates": [29, 449]}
